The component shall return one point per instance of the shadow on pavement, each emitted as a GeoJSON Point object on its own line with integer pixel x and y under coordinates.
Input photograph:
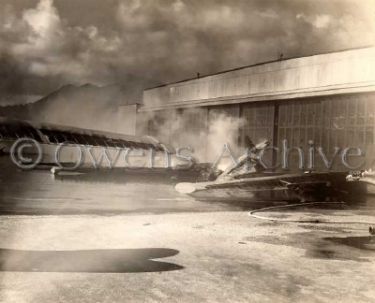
{"type": "Point", "coordinates": [91, 261]}
{"type": "Point", "coordinates": [365, 243]}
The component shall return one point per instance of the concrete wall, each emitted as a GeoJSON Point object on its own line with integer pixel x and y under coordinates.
{"type": "Point", "coordinates": [327, 74]}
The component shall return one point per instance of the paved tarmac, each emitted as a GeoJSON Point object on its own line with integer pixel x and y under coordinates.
{"type": "Point", "coordinates": [112, 238]}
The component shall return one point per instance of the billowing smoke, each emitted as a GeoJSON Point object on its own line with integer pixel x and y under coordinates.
{"type": "Point", "coordinates": [222, 140]}
{"type": "Point", "coordinates": [209, 136]}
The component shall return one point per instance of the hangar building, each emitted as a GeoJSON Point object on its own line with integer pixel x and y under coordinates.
{"type": "Point", "coordinates": [327, 98]}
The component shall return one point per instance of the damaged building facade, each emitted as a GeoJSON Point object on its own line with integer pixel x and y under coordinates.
{"type": "Point", "coordinates": [325, 100]}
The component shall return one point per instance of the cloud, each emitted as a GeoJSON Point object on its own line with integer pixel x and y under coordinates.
{"type": "Point", "coordinates": [43, 20]}
{"type": "Point", "coordinates": [318, 21]}
{"type": "Point", "coordinates": [46, 44]}
{"type": "Point", "coordinates": [322, 21]}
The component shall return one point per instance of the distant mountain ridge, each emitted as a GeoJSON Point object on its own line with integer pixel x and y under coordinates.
{"type": "Point", "coordinates": [85, 106]}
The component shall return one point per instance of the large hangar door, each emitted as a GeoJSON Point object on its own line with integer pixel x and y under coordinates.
{"type": "Point", "coordinates": [330, 123]}
{"type": "Point", "coordinates": [349, 122]}
{"type": "Point", "coordinates": [299, 122]}
{"type": "Point", "coordinates": [258, 125]}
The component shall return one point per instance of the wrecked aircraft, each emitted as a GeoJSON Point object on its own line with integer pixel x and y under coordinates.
{"type": "Point", "coordinates": [366, 177]}
{"type": "Point", "coordinates": [247, 180]}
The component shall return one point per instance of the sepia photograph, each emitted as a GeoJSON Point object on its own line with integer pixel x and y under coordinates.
{"type": "Point", "coordinates": [187, 151]}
